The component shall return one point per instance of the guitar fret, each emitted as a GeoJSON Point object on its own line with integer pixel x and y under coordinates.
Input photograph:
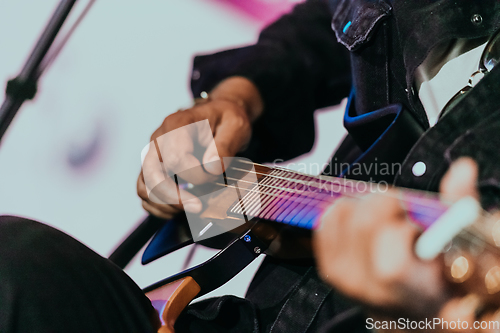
{"type": "Point", "coordinates": [277, 202]}
{"type": "Point", "coordinates": [298, 218]}
{"type": "Point", "coordinates": [262, 198]}
{"type": "Point", "coordinates": [282, 203]}
{"type": "Point", "coordinates": [285, 196]}
{"type": "Point", "coordinates": [246, 199]}
{"type": "Point", "coordinates": [283, 209]}
{"type": "Point", "coordinates": [240, 205]}
{"type": "Point", "coordinates": [272, 201]}
{"type": "Point", "coordinates": [301, 206]}
{"type": "Point", "coordinates": [252, 200]}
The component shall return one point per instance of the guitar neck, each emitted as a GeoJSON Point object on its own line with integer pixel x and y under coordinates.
{"type": "Point", "coordinates": [300, 200]}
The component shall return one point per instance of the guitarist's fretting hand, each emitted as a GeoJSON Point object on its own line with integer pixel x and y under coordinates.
{"type": "Point", "coordinates": [231, 108]}
{"type": "Point", "coordinates": [365, 249]}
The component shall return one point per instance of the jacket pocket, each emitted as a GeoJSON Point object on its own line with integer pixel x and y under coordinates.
{"type": "Point", "coordinates": [355, 20]}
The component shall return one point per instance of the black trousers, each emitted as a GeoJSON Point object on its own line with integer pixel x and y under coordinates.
{"type": "Point", "coordinates": [49, 282]}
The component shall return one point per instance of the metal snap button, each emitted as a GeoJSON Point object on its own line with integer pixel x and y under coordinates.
{"type": "Point", "coordinates": [476, 19]}
{"type": "Point", "coordinates": [419, 169]}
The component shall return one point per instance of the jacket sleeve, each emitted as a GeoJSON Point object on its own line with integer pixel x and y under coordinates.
{"type": "Point", "coordinates": [298, 66]}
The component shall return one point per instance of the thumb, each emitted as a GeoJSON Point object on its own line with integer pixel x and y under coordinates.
{"type": "Point", "coordinates": [460, 180]}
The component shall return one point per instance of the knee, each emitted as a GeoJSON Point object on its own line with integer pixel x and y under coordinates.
{"type": "Point", "coordinates": [23, 241]}
{"type": "Point", "coordinates": [15, 231]}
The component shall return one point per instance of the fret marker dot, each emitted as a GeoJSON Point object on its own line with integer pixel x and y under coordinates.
{"type": "Point", "coordinates": [419, 169]}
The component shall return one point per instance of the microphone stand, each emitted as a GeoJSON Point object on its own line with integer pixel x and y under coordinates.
{"type": "Point", "coordinates": [24, 86]}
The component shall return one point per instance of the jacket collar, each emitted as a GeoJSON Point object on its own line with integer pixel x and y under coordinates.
{"type": "Point", "coordinates": [424, 24]}
{"type": "Point", "coordinates": [421, 24]}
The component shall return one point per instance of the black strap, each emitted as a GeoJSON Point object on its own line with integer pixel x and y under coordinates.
{"type": "Point", "coordinates": [302, 306]}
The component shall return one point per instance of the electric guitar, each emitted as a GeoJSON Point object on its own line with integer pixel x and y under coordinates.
{"type": "Point", "coordinates": [273, 210]}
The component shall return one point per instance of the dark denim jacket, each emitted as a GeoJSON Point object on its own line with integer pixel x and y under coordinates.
{"type": "Point", "coordinates": [324, 49]}
{"type": "Point", "coordinates": [369, 49]}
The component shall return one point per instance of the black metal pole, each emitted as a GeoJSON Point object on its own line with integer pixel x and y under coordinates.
{"type": "Point", "coordinates": [126, 251]}
{"type": "Point", "coordinates": [23, 87]}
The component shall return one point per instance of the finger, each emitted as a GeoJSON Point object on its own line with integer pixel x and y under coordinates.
{"type": "Point", "coordinates": [231, 135]}
{"type": "Point", "coordinates": [163, 211]}
{"type": "Point", "coordinates": [191, 170]}
{"type": "Point", "coordinates": [141, 188]}
{"type": "Point", "coordinates": [156, 211]}
{"type": "Point", "coordinates": [152, 171]}
{"type": "Point", "coordinates": [161, 187]}
{"type": "Point", "coordinates": [181, 156]}
{"type": "Point", "coordinates": [141, 191]}
{"type": "Point", "coordinates": [332, 238]}
{"type": "Point", "coordinates": [163, 190]}
{"type": "Point", "coordinates": [460, 308]}
{"type": "Point", "coordinates": [167, 209]}
{"type": "Point", "coordinates": [377, 208]}
{"type": "Point", "coordinates": [460, 180]}
{"type": "Point", "coordinates": [166, 192]}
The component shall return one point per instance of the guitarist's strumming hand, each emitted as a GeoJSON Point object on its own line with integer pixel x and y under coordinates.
{"type": "Point", "coordinates": [231, 108]}
{"type": "Point", "coordinates": [365, 249]}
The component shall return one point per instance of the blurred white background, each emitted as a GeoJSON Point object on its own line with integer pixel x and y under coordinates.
{"type": "Point", "coordinates": [72, 156]}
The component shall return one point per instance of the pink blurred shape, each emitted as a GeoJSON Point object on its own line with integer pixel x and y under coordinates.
{"type": "Point", "coordinates": [265, 11]}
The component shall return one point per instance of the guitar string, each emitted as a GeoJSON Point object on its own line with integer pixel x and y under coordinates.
{"type": "Point", "coordinates": [291, 179]}
{"type": "Point", "coordinates": [466, 235]}
{"type": "Point", "coordinates": [273, 195]}
{"type": "Point", "coordinates": [303, 195]}
{"type": "Point", "coordinates": [321, 177]}
{"type": "Point", "coordinates": [424, 199]}
{"type": "Point", "coordinates": [252, 197]}
{"type": "Point", "coordinates": [292, 171]}
{"type": "Point", "coordinates": [304, 198]}
{"type": "Point", "coordinates": [295, 199]}
{"type": "Point", "coordinates": [287, 189]}
{"type": "Point", "coordinates": [423, 195]}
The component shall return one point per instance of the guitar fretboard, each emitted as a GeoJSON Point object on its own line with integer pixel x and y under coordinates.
{"type": "Point", "coordinates": [300, 200]}
{"type": "Point", "coordinates": [288, 197]}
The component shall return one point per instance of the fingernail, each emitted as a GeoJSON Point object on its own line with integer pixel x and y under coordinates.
{"type": "Point", "coordinates": [193, 207]}
{"type": "Point", "coordinates": [213, 158]}
{"type": "Point", "coordinates": [463, 166]}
